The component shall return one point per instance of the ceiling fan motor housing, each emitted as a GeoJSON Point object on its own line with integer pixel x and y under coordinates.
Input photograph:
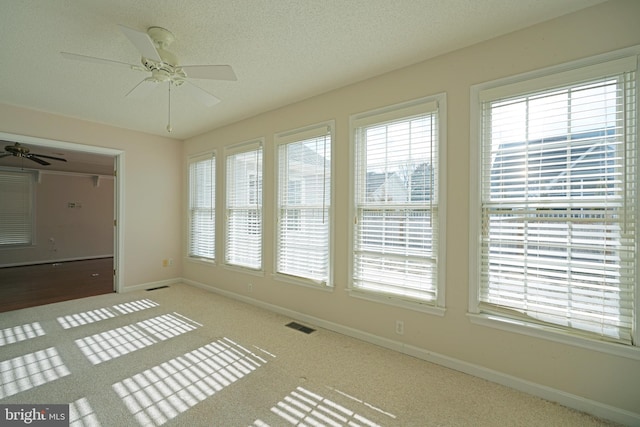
{"type": "Point", "coordinates": [163, 72]}
{"type": "Point", "coordinates": [166, 70]}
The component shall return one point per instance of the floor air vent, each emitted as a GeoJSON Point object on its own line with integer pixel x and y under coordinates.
{"type": "Point", "coordinates": [299, 327]}
{"type": "Point", "coordinates": [155, 289]}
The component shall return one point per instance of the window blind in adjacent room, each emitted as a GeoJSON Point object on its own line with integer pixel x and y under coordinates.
{"type": "Point", "coordinates": [16, 208]}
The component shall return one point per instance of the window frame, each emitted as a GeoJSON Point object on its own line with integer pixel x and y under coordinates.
{"type": "Point", "coordinates": [405, 110]}
{"type": "Point", "coordinates": [229, 151]}
{"type": "Point", "coordinates": [30, 223]}
{"type": "Point", "coordinates": [197, 158]}
{"type": "Point", "coordinates": [291, 137]}
{"type": "Point", "coordinates": [578, 71]}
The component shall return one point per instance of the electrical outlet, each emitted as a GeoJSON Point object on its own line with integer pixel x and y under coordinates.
{"type": "Point", "coordinates": [165, 262]}
{"type": "Point", "coordinates": [399, 327]}
{"type": "Point", "coordinates": [250, 287]}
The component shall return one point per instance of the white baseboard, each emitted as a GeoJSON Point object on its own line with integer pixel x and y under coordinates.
{"type": "Point", "coordinates": [592, 407]}
{"type": "Point", "coordinates": [151, 285]}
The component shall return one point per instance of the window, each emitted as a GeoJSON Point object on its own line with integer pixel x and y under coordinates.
{"type": "Point", "coordinates": [244, 205]}
{"type": "Point", "coordinates": [557, 201]}
{"type": "Point", "coordinates": [396, 232]}
{"type": "Point", "coordinates": [16, 209]}
{"type": "Point", "coordinates": [202, 203]}
{"type": "Point", "coordinates": [304, 199]}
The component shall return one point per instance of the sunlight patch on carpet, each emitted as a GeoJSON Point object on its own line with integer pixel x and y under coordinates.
{"type": "Point", "coordinates": [161, 393]}
{"type": "Point", "coordinates": [20, 333]}
{"type": "Point", "coordinates": [99, 348]}
{"type": "Point", "coordinates": [81, 414]}
{"type": "Point", "coordinates": [30, 371]}
{"type": "Point", "coordinates": [305, 407]}
{"type": "Point", "coordinates": [97, 315]}
{"type": "Point", "coordinates": [133, 306]}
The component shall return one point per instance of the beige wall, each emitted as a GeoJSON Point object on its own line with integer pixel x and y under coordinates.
{"type": "Point", "coordinates": [154, 195]}
{"type": "Point", "coordinates": [152, 173]}
{"type": "Point", "coordinates": [68, 233]}
{"type": "Point", "coordinates": [597, 376]}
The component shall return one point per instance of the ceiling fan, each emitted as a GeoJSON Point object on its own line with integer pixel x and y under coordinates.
{"type": "Point", "coordinates": [19, 150]}
{"type": "Point", "coordinates": [163, 66]}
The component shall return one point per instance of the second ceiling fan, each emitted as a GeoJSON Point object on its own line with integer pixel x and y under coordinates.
{"type": "Point", "coordinates": [163, 66]}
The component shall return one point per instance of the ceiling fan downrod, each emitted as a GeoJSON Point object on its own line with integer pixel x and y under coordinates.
{"type": "Point", "coordinates": [169, 128]}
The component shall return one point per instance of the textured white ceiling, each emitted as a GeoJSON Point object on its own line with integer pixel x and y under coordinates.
{"type": "Point", "coordinates": [281, 50]}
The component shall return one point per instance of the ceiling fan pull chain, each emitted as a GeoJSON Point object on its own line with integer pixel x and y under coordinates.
{"type": "Point", "coordinates": [169, 128]}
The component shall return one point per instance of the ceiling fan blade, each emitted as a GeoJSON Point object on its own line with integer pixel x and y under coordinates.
{"type": "Point", "coordinates": [213, 72]}
{"type": "Point", "coordinates": [48, 157]}
{"type": "Point", "coordinates": [200, 94]}
{"type": "Point", "coordinates": [142, 89]}
{"type": "Point", "coordinates": [76, 57]}
{"type": "Point", "coordinates": [5, 155]}
{"type": "Point", "coordinates": [142, 42]}
{"type": "Point", "coordinates": [37, 160]}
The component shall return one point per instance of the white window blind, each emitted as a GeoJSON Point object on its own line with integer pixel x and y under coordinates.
{"type": "Point", "coordinates": [304, 196]}
{"type": "Point", "coordinates": [16, 208]}
{"type": "Point", "coordinates": [202, 202]}
{"type": "Point", "coordinates": [558, 201]}
{"type": "Point", "coordinates": [244, 206]}
{"type": "Point", "coordinates": [396, 202]}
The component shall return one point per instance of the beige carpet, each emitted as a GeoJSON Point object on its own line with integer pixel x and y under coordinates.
{"type": "Point", "coordinates": [181, 356]}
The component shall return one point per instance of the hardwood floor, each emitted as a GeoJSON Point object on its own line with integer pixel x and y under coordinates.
{"type": "Point", "coordinates": [32, 285]}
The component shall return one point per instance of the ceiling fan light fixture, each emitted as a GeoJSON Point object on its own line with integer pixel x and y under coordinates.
{"type": "Point", "coordinates": [160, 76]}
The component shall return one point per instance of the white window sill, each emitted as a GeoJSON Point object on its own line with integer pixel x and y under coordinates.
{"type": "Point", "coordinates": [548, 333]}
{"type": "Point", "coordinates": [415, 305]}
{"type": "Point", "coordinates": [247, 270]}
{"type": "Point", "coordinates": [204, 261]}
{"type": "Point", "coordinates": [291, 280]}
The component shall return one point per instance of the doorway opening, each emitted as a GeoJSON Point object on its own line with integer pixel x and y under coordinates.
{"type": "Point", "coordinates": [101, 271]}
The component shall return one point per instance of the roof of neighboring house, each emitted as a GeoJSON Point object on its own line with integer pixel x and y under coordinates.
{"type": "Point", "coordinates": [551, 161]}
